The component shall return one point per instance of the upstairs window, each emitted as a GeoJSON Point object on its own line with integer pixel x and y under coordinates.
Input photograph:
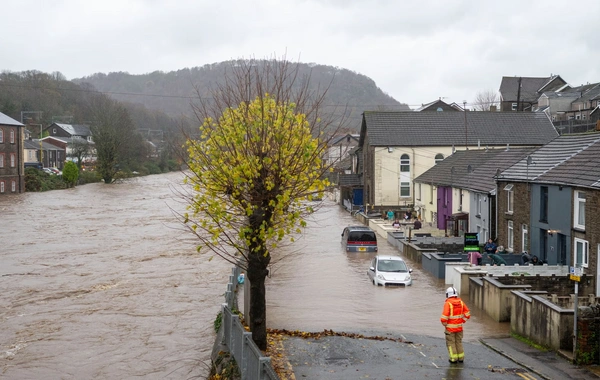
{"type": "Point", "coordinates": [514, 106]}
{"type": "Point", "coordinates": [510, 198]}
{"type": "Point", "coordinates": [404, 163]}
{"type": "Point", "coordinates": [544, 204]}
{"type": "Point", "coordinates": [12, 136]}
{"type": "Point", "coordinates": [439, 158]}
{"type": "Point", "coordinates": [1, 135]}
{"type": "Point", "coordinates": [581, 253]}
{"type": "Point", "coordinates": [12, 160]}
{"type": "Point", "coordinates": [579, 208]}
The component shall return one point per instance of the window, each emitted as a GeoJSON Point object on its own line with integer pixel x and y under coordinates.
{"type": "Point", "coordinates": [581, 253]}
{"type": "Point", "coordinates": [1, 186]}
{"type": "Point", "coordinates": [418, 195]}
{"type": "Point", "coordinates": [460, 200]}
{"type": "Point", "coordinates": [579, 207]}
{"type": "Point", "coordinates": [405, 163]}
{"type": "Point", "coordinates": [510, 198]}
{"type": "Point", "coordinates": [439, 158]}
{"type": "Point", "coordinates": [13, 186]}
{"type": "Point", "coordinates": [405, 189]}
{"type": "Point", "coordinates": [12, 160]}
{"type": "Point", "coordinates": [524, 238]}
{"type": "Point", "coordinates": [514, 106]}
{"type": "Point", "coordinates": [478, 201]}
{"type": "Point", "coordinates": [1, 135]}
{"type": "Point", "coordinates": [12, 136]}
{"type": "Point", "coordinates": [544, 204]}
{"type": "Point", "coordinates": [1, 160]}
{"type": "Point", "coordinates": [510, 236]}
{"type": "Point", "coordinates": [431, 194]}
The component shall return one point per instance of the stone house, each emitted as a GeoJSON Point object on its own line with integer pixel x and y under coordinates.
{"type": "Point", "coordinates": [12, 177]}
{"type": "Point", "coordinates": [398, 147]}
{"type": "Point", "coordinates": [546, 203]}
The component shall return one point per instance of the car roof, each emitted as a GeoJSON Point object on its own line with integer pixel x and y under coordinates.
{"type": "Point", "coordinates": [389, 257]}
{"type": "Point", "coordinates": [359, 228]}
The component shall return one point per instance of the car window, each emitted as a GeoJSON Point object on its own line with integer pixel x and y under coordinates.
{"type": "Point", "coordinates": [365, 236]}
{"type": "Point", "coordinates": [392, 266]}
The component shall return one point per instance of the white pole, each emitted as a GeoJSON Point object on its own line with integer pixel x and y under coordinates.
{"type": "Point", "coordinates": [575, 322]}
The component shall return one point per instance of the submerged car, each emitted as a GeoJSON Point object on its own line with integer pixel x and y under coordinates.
{"type": "Point", "coordinates": [359, 239]}
{"type": "Point", "coordinates": [389, 271]}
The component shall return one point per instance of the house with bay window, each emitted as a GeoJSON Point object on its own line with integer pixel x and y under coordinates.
{"type": "Point", "coordinates": [398, 147]}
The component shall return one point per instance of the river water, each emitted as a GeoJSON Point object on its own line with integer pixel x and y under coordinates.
{"type": "Point", "coordinates": [100, 281]}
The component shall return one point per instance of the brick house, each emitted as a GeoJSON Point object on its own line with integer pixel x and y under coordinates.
{"type": "Point", "coordinates": [522, 93]}
{"type": "Point", "coordinates": [12, 178]}
{"type": "Point", "coordinates": [547, 203]}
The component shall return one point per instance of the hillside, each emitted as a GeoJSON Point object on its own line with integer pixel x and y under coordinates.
{"type": "Point", "coordinates": [174, 92]}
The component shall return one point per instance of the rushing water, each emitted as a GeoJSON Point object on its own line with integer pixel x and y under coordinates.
{"type": "Point", "coordinates": [100, 281]}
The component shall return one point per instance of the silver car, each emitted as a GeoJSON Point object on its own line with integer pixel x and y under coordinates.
{"type": "Point", "coordinates": [389, 271]}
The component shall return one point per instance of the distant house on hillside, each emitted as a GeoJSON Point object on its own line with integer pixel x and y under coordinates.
{"type": "Point", "coordinates": [12, 177]}
{"type": "Point", "coordinates": [522, 93]}
{"type": "Point", "coordinates": [339, 146]}
{"type": "Point", "coordinates": [70, 131]}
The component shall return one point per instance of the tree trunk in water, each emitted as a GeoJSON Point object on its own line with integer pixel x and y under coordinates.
{"type": "Point", "coordinates": [257, 272]}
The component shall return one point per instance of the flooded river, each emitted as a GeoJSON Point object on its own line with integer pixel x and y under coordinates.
{"type": "Point", "coordinates": [101, 282]}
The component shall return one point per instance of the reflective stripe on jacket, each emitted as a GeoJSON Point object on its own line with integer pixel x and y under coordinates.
{"type": "Point", "coordinates": [455, 314]}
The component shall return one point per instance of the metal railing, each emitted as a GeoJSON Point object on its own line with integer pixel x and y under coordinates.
{"type": "Point", "coordinates": [252, 364]}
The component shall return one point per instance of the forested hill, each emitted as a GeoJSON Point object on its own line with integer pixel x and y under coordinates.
{"type": "Point", "coordinates": [173, 92]}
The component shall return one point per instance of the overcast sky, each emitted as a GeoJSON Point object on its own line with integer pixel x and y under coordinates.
{"type": "Point", "coordinates": [416, 51]}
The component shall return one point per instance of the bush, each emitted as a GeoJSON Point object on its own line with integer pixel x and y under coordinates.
{"type": "Point", "coordinates": [70, 173]}
{"type": "Point", "coordinates": [38, 180]}
{"type": "Point", "coordinates": [152, 168]}
{"type": "Point", "coordinates": [88, 177]}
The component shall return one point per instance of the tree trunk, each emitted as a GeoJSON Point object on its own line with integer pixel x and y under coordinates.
{"type": "Point", "coordinates": [257, 273]}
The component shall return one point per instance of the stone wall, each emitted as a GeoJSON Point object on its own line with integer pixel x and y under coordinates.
{"type": "Point", "coordinates": [588, 335]}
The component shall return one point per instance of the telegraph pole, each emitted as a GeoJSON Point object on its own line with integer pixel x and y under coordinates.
{"type": "Point", "coordinates": [466, 131]}
{"type": "Point", "coordinates": [519, 95]}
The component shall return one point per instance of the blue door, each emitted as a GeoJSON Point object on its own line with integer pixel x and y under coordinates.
{"type": "Point", "coordinates": [357, 197]}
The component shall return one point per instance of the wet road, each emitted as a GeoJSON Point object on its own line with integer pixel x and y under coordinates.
{"type": "Point", "coordinates": [98, 282]}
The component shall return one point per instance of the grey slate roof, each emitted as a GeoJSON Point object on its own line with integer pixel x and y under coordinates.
{"type": "Point", "coordinates": [582, 169]}
{"type": "Point", "coordinates": [484, 165]}
{"type": "Point", "coordinates": [6, 120]}
{"type": "Point", "coordinates": [448, 128]}
{"type": "Point", "coordinates": [35, 144]}
{"type": "Point", "coordinates": [550, 156]}
{"type": "Point", "coordinates": [76, 129]}
{"type": "Point", "coordinates": [350, 180]}
{"type": "Point", "coordinates": [509, 87]}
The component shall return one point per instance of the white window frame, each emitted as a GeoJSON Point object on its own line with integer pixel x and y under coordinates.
{"type": "Point", "coordinates": [13, 186]}
{"type": "Point", "coordinates": [405, 162]}
{"type": "Point", "coordinates": [418, 194]}
{"type": "Point", "coordinates": [460, 200]}
{"type": "Point", "coordinates": [578, 202]}
{"type": "Point", "coordinates": [12, 136]}
{"type": "Point", "coordinates": [1, 160]}
{"type": "Point", "coordinates": [1, 186]}
{"type": "Point", "coordinates": [1, 135]}
{"type": "Point", "coordinates": [479, 201]}
{"type": "Point", "coordinates": [510, 198]}
{"type": "Point", "coordinates": [510, 236]}
{"type": "Point", "coordinates": [12, 160]}
{"type": "Point", "coordinates": [405, 186]}
{"type": "Point", "coordinates": [514, 106]}
{"type": "Point", "coordinates": [585, 253]}
{"type": "Point", "coordinates": [524, 238]}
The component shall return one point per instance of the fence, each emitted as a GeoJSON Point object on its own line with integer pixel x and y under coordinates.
{"type": "Point", "coordinates": [252, 365]}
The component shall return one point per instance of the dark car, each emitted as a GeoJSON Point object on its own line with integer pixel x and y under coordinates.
{"type": "Point", "coordinates": [359, 239]}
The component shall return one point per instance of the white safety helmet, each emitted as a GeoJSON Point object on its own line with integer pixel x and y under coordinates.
{"type": "Point", "coordinates": [451, 292]}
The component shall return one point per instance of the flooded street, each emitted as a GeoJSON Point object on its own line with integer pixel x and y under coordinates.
{"type": "Point", "coordinates": [318, 286]}
{"type": "Point", "coordinates": [101, 282]}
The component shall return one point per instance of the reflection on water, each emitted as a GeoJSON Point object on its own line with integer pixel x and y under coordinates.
{"type": "Point", "coordinates": [99, 282]}
{"type": "Point", "coordinates": [317, 286]}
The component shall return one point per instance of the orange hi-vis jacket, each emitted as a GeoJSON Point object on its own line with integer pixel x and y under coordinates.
{"type": "Point", "coordinates": [455, 314]}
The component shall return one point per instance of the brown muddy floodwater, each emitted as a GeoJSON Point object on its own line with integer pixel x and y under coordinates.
{"type": "Point", "coordinates": [101, 282]}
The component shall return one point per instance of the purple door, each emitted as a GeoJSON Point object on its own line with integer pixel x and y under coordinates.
{"type": "Point", "coordinates": [444, 205]}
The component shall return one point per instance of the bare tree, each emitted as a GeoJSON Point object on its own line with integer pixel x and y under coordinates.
{"type": "Point", "coordinates": [484, 100]}
{"type": "Point", "coordinates": [79, 150]}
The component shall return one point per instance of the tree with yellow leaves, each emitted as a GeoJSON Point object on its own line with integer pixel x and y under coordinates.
{"type": "Point", "coordinates": [255, 168]}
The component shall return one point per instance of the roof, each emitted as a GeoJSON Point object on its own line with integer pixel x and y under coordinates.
{"type": "Point", "coordinates": [350, 180]}
{"type": "Point", "coordinates": [35, 144]}
{"type": "Point", "coordinates": [549, 156]}
{"type": "Point", "coordinates": [448, 128]}
{"type": "Point", "coordinates": [75, 129]}
{"type": "Point", "coordinates": [531, 87]}
{"type": "Point", "coordinates": [7, 120]}
{"type": "Point", "coordinates": [582, 169]}
{"type": "Point", "coordinates": [337, 139]}
{"type": "Point", "coordinates": [473, 169]}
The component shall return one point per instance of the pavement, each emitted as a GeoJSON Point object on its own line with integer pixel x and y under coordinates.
{"type": "Point", "coordinates": [387, 357]}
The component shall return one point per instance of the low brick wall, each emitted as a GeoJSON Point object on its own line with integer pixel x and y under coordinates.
{"type": "Point", "coordinates": [588, 335]}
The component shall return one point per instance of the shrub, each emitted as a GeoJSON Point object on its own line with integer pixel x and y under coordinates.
{"type": "Point", "coordinates": [89, 177]}
{"type": "Point", "coordinates": [70, 173]}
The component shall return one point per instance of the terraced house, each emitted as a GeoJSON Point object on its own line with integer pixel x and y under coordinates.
{"type": "Point", "coordinates": [12, 179]}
